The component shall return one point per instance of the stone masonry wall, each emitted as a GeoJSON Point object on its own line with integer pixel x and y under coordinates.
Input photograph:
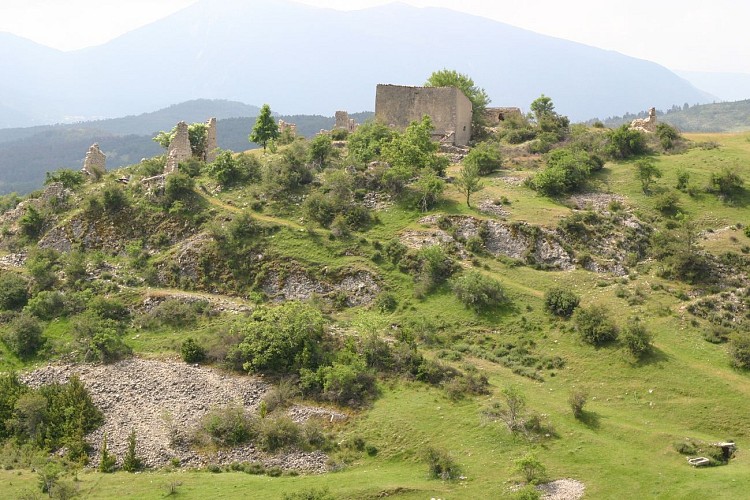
{"type": "Point", "coordinates": [179, 148]}
{"type": "Point", "coordinates": [448, 107]}
{"type": "Point", "coordinates": [95, 164]}
{"type": "Point", "coordinates": [211, 144]}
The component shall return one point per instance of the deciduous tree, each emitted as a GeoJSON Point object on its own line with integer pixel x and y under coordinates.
{"type": "Point", "coordinates": [265, 128]}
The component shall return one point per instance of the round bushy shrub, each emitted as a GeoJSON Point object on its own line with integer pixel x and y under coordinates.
{"type": "Point", "coordinates": [13, 291]}
{"type": "Point", "coordinates": [594, 325]}
{"type": "Point", "coordinates": [192, 352]}
{"type": "Point", "coordinates": [561, 302]}
{"type": "Point", "coordinates": [477, 291]}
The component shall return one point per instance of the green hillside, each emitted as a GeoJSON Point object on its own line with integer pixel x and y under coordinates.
{"type": "Point", "coordinates": [700, 118]}
{"type": "Point", "coordinates": [587, 313]}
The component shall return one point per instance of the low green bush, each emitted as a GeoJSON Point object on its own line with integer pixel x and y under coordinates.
{"type": "Point", "coordinates": [594, 325]}
{"type": "Point", "coordinates": [479, 292]}
{"type": "Point", "coordinates": [560, 301]}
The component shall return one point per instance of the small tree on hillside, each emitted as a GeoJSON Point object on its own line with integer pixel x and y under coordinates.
{"type": "Point", "coordinates": [265, 128]}
{"type": "Point", "coordinates": [469, 181]}
{"type": "Point", "coordinates": [647, 172]}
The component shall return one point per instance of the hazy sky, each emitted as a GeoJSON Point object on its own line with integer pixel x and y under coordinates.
{"type": "Point", "coordinates": [696, 35]}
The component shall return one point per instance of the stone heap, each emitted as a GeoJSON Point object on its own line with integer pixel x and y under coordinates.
{"type": "Point", "coordinates": [179, 149]}
{"type": "Point", "coordinates": [344, 122]}
{"type": "Point", "coordinates": [211, 145]}
{"type": "Point", "coordinates": [645, 124]}
{"type": "Point", "coordinates": [95, 163]}
{"type": "Point", "coordinates": [291, 127]}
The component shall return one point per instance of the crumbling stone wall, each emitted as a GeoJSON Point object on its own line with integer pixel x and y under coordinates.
{"type": "Point", "coordinates": [179, 148]}
{"type": "Point", "coordinates": [344, 122]}
{"type": "Point", "coordinates": [211, 144]}
{"type": "Point", "coordinates": [449, 109]}
{"type": "Point", "coordinates": [495, 116]}
{"type": "Point", "coordinates": [645, 124]}
{"type": "Point", "coordinates": [291, 127]}
{"type": "Point", "coordinates": [95, 163]}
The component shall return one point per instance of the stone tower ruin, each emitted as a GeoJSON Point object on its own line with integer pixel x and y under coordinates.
{"type": "Point", "coordinates": [211, 144]}
{"type": "Point", "coordinates": [179, 149]}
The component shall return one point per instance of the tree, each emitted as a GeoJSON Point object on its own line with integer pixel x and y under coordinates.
{"type": "Point", "coordinates": [131, 462]}
{"type": "Point", "coordinates": [321, 148]}
{"type": "Point", "coordinates": [486, 156]}
{"type": "Point", "coordinates": [594, 325]}
{"type": "Point", "coordinates": [647, 173]}
{"type": "Point", "coordinates": [636, 338]}
{"type": "Point", "coordinates": [265, 128]}
{"type": "Point", "coordinates": [24, 337]}
{"type": "Point", "coordinates": [478, 97]}
{"type": "Point", "coordinates": [561, 301]}
{"type": "Point", "coordinates": [468, 181]}
{"type": "Point", "coordinates": [13, 291]}
{"type": "Point", "coordinates": [623, 142]}
{"type": "Point", "coordinates": [429, 188]}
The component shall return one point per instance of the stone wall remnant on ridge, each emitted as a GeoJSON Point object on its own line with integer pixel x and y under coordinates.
{"type": "Point", "coordinates": [495, 116]}
{"type": "Point", "coordinates": [343, 122]}
{"type": "Point", "coordinates": [179, 149]}
{"type": "Point", "coordinates": [448, 107]}
{"type": "Point", "coordinates": [645, 124]}
{"type": "Point", "coordinates": [211, 145]}
{"type": "Point", "coordinates": [95, 163]}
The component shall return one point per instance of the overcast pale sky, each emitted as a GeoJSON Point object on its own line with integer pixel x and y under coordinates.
{"type": "Point", "coordinates": [697, 35]}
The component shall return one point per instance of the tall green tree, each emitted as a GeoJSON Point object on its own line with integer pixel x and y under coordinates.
{"type": "Point", "coordinates": [265, 128]}
{"type": "Point", "coordinates": [478, 97]}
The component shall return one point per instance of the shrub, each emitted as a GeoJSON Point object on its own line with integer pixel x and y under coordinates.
{"type": "Point", "coordinates": [667, 134]}
{"type": "Point", "coordinates": [532, 470]}
{"type": "Point", "coordinates": [478, 292]}
{"type": "Point", "coordinates": [13, 291]}
{"type": "Point", "coordinates": [24, 336]}
{"type": "Point", "coordinates": [667, 202]}
{"type": "Point", "coordinates": [622, 142]}
{"type": "Point", "coordinates": [560, 301]}
{"type": "Point", "coordinates": [107, 461]}
{"type": "Point", "coordinates": [47, 305]}
{"type": "Point", "coordinates": [739, 350]}
{"type": "Point", "coordinates": [282, 394]}
{"type": "Point", "coordinates": [347, 383]}
{"type": "Point", "coordinates": [577, 400]}
{"type": "Point", "coordinates": [726, 183]}
{"type": "Point", "coordinates": [278, 433]}
{"type": "Point", "coordinates": [636, 338]}
{"type": "Point", "coordinates": [282, 339]}
{"type": "Point", "coordinates": [179, 186]}
{"type": "Point", "coordinates": [485, 156]}
{"type": "Point", "coordinates": [594, 325]}
{"type": "Point", "coordinates": [229, 426]}
{"type": "Point", "coordinates": [441, 465]}
{"type": "Point", "coordinates": [310, 493]}
{"type": "Point", "coordinates": [32, 222]}
{"type": "Point", "coordinates": [192, 352]}
{"type": "Point", "coordinates": [386, 302]}
{"type": "Point", "coordinates": [113, 198]}
{"type": "Point", "coordinates": [528, 492]}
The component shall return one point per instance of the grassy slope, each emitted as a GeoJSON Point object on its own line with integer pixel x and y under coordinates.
{"type": "Point", "coordinates": [636, 410]}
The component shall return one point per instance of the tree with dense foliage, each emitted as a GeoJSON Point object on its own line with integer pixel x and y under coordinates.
{"type": "Point", "coordinates": [265, 128]}
{"type": "Point", "coordinates": [281, 339]}
{"type": "Point", "coordinates": [594, 325]}
{"type": "Point", "coordinates": [623, 143]}
{"type": "Point", "coordinates": [14, 291]}
{"type": "Point", "coordinates": [567, 171]}
{"type": "Point", "coordinates": [636, 338]}
{"type": "Point", "coordinates": [485, 156]}
{"type": "Point", "coordinates": [321, 149]}
{"type": "Point", "coordinates": [469, 181]}
{"type": "Point", "coordinates": [365, 143]}
{"type": "Point", "coordinates": [478, 97]}
{"type": "Point", "coordinates": [415, 150]}
{"type": "Point", "coordinates": [479, 292]}
{"type": "Point", "coordinates": [561, 301]}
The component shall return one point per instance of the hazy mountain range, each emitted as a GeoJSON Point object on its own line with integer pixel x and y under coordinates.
{"type": "Point", "coordinates": [307, 60]}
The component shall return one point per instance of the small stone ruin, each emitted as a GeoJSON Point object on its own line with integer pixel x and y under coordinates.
{"type": "Point", "coordinates": [291, 127]}
{"type": "Point", "coordinates": [179, 149]}
{"type": "Point", "coordinates": [645, 124]}
{"type": "Point", "coordinates": [211, 144]}
{"type": "Point", "coordinates": [344, 122]}
{"type": "Point", "coordinates": [495, 116]}
{"type": "Point", "coordinates": [95, 163]}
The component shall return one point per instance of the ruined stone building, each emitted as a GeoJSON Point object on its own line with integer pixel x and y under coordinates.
{"type": "Point", "coordinates": [448, 107]}
{"type": "Point", "coordinates": [645, 124]}
{"type": "Point", "coordinates": [291, 127]}
{"type": "Point", "coordinates": [179, 149]}
{"type": "Point", "coordinates": [344, 122]}
{"type": "Point", "coordinates": [95, 163]}
{"type": "Point", "coordinates": [495, 116]}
